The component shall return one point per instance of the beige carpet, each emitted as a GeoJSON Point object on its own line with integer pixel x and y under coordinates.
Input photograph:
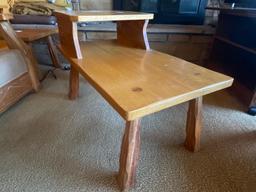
{"type": "Point", "coordinates": [48, 143]}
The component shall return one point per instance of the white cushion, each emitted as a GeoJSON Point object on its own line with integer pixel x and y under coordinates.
{"type": "Point", "coordinates": [12, 65]}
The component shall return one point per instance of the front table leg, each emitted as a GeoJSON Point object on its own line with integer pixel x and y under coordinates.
{"type": "Point", "coordinates": [129, 155]}
{"type": "Point", "coordinates": [73, 83]}
{"type": "Point", "coordinates": [194, 121]}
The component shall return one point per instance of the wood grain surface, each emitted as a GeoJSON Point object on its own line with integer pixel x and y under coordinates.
{"type": "Point", "coordinates": [129, 155]}
{"type": "Point", "coordinates": [133, 34]}
{"type": "Point", "coordinates": [68, 36]}
{"type": "Point", "coordinates": [88, 16]}
{"type": "Point", "coordinates": [194, 124]}
{"type": "Point", "coordinates": [137, 82]}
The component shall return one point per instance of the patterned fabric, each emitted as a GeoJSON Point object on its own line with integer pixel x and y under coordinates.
{"type": "Point", "coordinates": [31, 9]}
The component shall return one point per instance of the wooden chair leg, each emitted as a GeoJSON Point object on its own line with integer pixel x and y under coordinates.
{"type": "Point", "coordinates": [129, 155]}
{"type": "Point", "coordinates": [53, 52]}
{"type": "Point", "coordinates": [73, 84]}
{"type": "Point", "coordinates": [33, 68]}
{"type": "Point", "coordinates": [193, 128]}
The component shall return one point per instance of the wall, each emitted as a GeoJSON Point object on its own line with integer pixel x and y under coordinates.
{"type": "Point", "coordinates": [211, 16]}
{"type": "Point", "coordinates": [85, 4]}
{"type": "Point", "coordinates": [96, 4]}
{"type": "Point", "coordinates": [108, 4]}
{"type": "Point", "coordinates": [4, 6]}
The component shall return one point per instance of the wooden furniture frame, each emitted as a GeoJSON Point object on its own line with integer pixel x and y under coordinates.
{"type": "Point", "coordinates": [31, 35]}
{"type": "Point", "coordinates": [135, 80]}
{"type": "Point", "coordinates": [14, 90]}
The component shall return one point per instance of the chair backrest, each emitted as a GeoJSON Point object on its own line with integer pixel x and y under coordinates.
{"type": "Point", "coordinates": [14, 42]}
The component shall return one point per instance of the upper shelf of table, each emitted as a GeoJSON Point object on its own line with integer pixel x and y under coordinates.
{"type": "Point", "coordinates": [87, 16]}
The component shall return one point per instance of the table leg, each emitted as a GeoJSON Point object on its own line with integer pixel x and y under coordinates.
{"type": "Point", "coordinates": [129, 155]}
{"type": "Point", "coordinates": [193, 128]}
{"type": "Point", "coordinates": [53, 52]}
{"type": "Point", "coordinates": [33, 68]}
{"type": "Point", "coordinates": [73, 84]}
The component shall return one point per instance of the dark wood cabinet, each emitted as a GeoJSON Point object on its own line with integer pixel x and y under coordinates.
{"type": "Point", "coordinates": [243, 3]}
{"type": "Point", "coordinates": [235, 50]}
{"type": "Point", "coordinates": [167, 11]}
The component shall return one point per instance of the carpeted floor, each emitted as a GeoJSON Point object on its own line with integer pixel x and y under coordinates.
{"type": "Point", "coordinates": [48, 143]}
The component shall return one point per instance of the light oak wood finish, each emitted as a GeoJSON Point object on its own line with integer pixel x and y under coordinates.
{"type": "Point", "coordinates": [133, 34]}
{"type": "Point", "coordinates": [129, 155]}
{"type": "Point", "coordinates": [73, 83]}
{"type": "Point", "coordinates": [68, 36]}
{"type": "Point", "coordinates": [143, 83]}
{"type": "Point", "coordinates": [135, 80]}
{"type": "Point", "coordinates": [136, 34]}
{"type": "Point", "coordinates": [194, 124]}
{"type": "Point", "coordinates": [14, 42]}
{"type": "Point", "coordinates": [14, 91]}
{"type": "Point", "coordinates": [89, 16]}
{"type": "Point", "coordinates": [70, 47]}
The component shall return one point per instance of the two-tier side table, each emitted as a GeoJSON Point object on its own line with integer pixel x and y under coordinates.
{"type": "Point", "coordinates": [134, 79]}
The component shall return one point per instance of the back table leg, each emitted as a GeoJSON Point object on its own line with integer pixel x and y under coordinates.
{"type": "Point", "coordinates": [73, 84]}
{"type": "Point", "coordinates": [53, 52]}
{"type": "Point", "coordinates": [129, 155]}
{"type": "Point", "coordinates": [194, 121]}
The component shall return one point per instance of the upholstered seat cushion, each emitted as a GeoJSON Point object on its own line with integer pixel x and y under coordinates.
{"type": "Point", "coordinates": [12, 65]}
{"type": "Point", "coordinates": [36, 19]}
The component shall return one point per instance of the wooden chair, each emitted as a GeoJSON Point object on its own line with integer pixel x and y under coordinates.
{"type": "Point", "coordinates": [31, 35]}
{"type": "Point", "coordinates": [18, 70]}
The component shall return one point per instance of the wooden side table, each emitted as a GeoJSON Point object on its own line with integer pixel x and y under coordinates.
{"type": "Point", "coordinates": [31, 35]}
{"type": "Point", "coordinates": [135, 80]}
